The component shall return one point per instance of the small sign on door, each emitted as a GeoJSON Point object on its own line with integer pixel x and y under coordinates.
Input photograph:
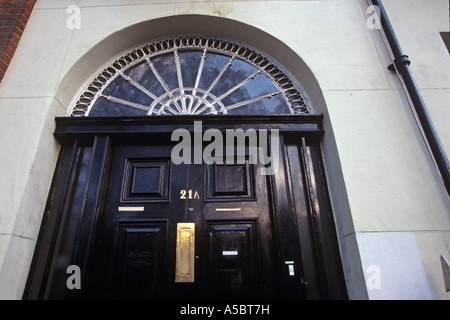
{"type": "Point", "coordinates": [290, 265]}
{"type": "Point", "coordinates": [229, 253]}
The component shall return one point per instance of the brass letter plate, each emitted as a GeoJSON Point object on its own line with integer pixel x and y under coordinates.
{"type": "Point", "coordinates": [185, 259]}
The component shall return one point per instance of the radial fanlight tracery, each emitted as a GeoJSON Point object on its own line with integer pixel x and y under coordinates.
{"type": "Point", "coordinates": [190, 75]}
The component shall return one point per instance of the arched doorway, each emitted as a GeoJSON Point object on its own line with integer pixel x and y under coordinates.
{"type": "Point", "coordinates": [138, 224]}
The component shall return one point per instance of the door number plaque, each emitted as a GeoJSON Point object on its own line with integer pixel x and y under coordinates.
{"type": "Point", "coordinates": [189, 194]}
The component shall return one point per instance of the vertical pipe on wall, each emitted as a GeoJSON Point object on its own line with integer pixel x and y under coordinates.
{"type": "Point", "coordinates": [401, 63]}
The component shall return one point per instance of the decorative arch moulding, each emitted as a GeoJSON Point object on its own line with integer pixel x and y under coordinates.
{"type": "Point", "coordinates": [190, 75]}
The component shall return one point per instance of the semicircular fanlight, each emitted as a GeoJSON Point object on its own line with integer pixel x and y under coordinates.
{"type": "Point", "coordinates": [190, 75]}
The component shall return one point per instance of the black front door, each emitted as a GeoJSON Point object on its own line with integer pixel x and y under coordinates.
{"type": "Point", "coordinates": [185, 230]}
{"type": "Point", "coordinates": [138, 225]}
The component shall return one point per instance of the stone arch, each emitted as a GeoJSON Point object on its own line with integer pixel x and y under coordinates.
{"type": "Point", "coordinates": [120, 41]}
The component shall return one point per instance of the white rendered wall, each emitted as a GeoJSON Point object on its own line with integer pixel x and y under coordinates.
{"type": "Point", "coordinates": [382, 183]}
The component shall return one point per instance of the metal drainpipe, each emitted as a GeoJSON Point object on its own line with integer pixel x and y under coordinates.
{"type": "Point", "coordinates": [401, 63]}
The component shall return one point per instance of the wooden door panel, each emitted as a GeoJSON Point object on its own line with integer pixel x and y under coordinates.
{"type": "Point", "coordinates": [133, 239]}
{"type": "Point", "coordinates": [141, 250]}
{"type": "Point", "coordinates": [233, 265]}
{"type": "Point", "coordinates": [146, 180]}
{"type": "Point", "coordinates": [230, 182]}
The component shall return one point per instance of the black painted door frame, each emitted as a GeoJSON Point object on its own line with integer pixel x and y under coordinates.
{"type": "Point", "coordinates": [299, 199]}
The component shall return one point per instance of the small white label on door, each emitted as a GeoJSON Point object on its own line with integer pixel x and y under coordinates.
{"type": "Point", "coordinates": [131, 208]}
{"type": "Point", "coordinates": [291, 270]}
{"type": "Point", "coordinates": [229, 253]}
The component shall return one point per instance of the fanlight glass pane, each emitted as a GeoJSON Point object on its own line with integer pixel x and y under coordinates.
{"type": "Point", "coordinates": [190, 75]}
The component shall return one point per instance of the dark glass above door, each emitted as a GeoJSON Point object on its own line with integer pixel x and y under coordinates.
{"type": "Point", "coordinates": [190, 76]}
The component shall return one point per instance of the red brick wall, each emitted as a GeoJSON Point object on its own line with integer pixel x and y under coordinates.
{"type": "Point", "coordinates": [14, 16]}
